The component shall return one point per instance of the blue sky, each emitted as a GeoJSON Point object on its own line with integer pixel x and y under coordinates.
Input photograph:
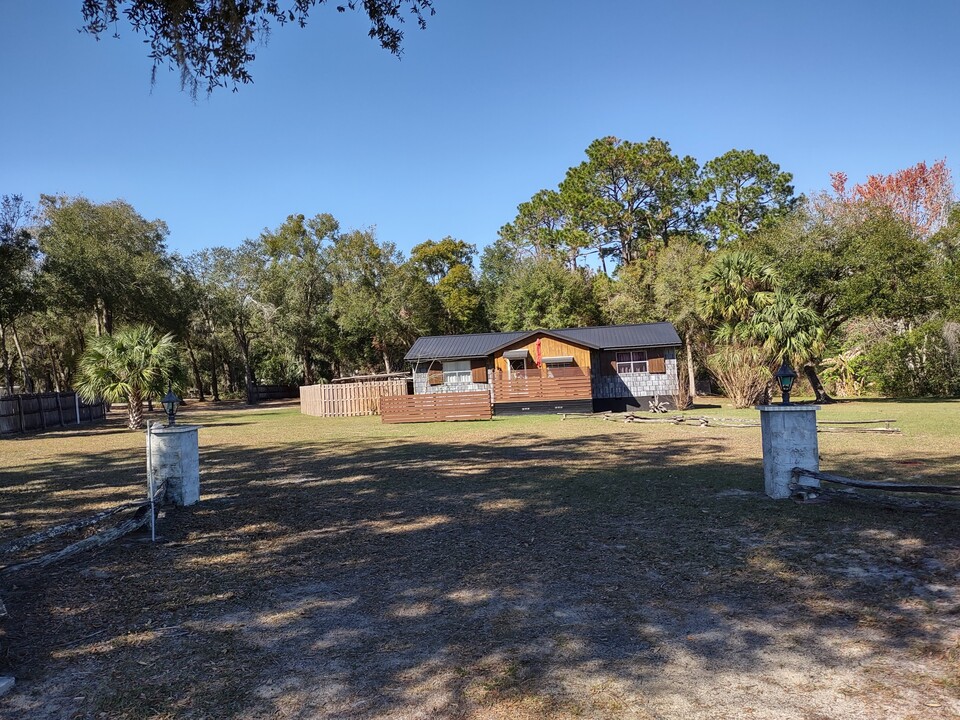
{"type": "Point", "coordinates": [494, 101]}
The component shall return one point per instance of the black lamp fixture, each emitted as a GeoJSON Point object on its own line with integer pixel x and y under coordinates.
{"type": "Point", "coordinates": [786, 377]}
{"type": "Point", "coordinates": [170, 404]}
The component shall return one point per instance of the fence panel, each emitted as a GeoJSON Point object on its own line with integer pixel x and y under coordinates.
{"type": "Point", "coordinates": [348, 399]}
{"type": "Point", "coordinates": [25, 413]}
{"type": "Point", "coordinates": [436, 407]}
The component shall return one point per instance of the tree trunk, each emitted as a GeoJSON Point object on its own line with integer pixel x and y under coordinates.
{"type": "Point", "coordinates": [249, 381]}
{"type": "Point", "coordinates": [134, 411]}
{"type": "Point", "coordinates": [54, 368]}
{"type": "Point", "coordinates": [821, 393]}
{"type": "Point", "coordinates": [243, 342]}
{"type": "Point", "coordinates": [228, 371]}
{"type": "Point", "coordinates": [5, 359]}
{"type": "Point", "coordinates": [386, 361]}
{"type": "Point", "coordinates": [691, 375]}
{"type": "Point", "coordinates": [197, 377]}
{"type": "Point", "coordinates": [27, 380]}
{"type": "Point", "coordinates": [214, 385]}
{"type": "Point", "coordinates": [307, 370]}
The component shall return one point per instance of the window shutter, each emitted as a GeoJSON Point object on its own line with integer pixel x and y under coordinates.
{"type": "Point", "coordinates": [478, 370]}
{"type": "Point", "coordinates": [435, 374]}
{"type": "Point", "coordinates": [656, 362]}
{"type": "Point", "coordinates": [608, 363]}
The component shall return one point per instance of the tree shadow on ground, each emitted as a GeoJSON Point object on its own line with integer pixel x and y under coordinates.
{"type": "Point", "coordinates": [531, 575]}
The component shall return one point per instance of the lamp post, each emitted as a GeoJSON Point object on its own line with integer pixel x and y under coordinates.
{"type": "Point", "coordinates": [170, 404]}
{"type": "Point", "coordinates": [785, 379]}
{"type": "Point", "coordinates": [788, 434]}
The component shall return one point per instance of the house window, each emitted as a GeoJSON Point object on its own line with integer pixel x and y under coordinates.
{"type": "Point", "coordinates": [457, 372]}
{"type": "Point", "coordinates": [632, 362]}
{"type": "Point", "coordinates": [558, 369]}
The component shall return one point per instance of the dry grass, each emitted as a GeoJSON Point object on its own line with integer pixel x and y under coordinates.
{"type": "Point", "coordinates": [521, 568]}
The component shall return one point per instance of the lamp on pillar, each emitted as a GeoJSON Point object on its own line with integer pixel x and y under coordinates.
{"type": "Point", "coordinates": [170, 404]}
{"type": "Point", "coordinates": [786, 377]}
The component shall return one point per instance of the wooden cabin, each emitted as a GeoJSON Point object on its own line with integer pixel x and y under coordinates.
{"type": "Point", "coordinates": [593, 369]}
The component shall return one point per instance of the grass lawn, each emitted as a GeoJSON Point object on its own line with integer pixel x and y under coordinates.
{"type": "Point", "coordinates": [520, 568]}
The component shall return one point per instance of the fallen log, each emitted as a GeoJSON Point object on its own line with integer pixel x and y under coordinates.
{"type": "Point", "coordinates": [141, 518]}
{"type": "Point", "coordinates": [881, 431]}
{"type": "Point", "coordinates": [874, 485]}
{"type": "Point", "coordinates": [15, 546]}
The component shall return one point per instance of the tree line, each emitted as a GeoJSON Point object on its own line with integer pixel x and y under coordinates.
{"type": "Point", "coordinates": [857, 286]}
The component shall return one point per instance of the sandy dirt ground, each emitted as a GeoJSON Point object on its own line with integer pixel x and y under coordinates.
{"type": "Point", "coordinates": [523, 568]}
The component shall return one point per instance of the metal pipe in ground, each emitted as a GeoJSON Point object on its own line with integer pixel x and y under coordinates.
{"type": "Point", "coordinates": [151, 485]}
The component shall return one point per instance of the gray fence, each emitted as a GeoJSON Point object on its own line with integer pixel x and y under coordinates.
{"type": "Point", "coordinates": [26, 413]}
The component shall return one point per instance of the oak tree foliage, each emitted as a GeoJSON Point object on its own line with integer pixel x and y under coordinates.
{"type": "Point", "coordinates": [211, 43]}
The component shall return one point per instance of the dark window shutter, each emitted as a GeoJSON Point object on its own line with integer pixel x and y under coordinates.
{"type": "Point", "coordinates": [608, 363]}
{"type": "Point", "coordinates": [656, 362]}
{"type": "Point", "coordinates": [478, 369]}
{"type": "Point", "coordinates": [435, 374]}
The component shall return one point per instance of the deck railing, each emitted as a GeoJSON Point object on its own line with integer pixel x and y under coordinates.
{"type": "Point", "coordinates": [436, 407]}
{"type": "Point", "coordinates": [529, 386]}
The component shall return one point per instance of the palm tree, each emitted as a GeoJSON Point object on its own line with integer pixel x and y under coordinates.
{"type": "Point", "coordinates": [788, 330]}
{"type": "Point", "coordinates": [736, 286]}
{"type": "Point", "coordinates": [129, 366]}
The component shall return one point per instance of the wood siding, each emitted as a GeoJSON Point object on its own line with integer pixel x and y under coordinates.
{"type": "Point", "coordinates": [549, 347]}
{"type": "Point", "coordinates": [436, 407]}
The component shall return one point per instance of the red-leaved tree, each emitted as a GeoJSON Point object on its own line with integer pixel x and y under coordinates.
{"type": "Point", "coordinates": [921, 195]}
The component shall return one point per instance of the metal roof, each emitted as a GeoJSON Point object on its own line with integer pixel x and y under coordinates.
{"type": "Point", "coordinates": [611, 337]}
{"type": "Point", "coordinates": [606, 337]}
{"type": "Point", "coordinates": [445, 347]}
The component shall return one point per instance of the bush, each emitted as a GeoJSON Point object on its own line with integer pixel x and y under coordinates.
{"type": "Point", "coordinates": [923, 361]}
{"type": "Point", "coordinates": [742, 372]}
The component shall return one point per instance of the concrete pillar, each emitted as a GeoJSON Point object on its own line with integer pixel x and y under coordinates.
{"type": "Point", "coordinates": [176, 461]}
{"type": "Point", "coordinates": [789, 437]}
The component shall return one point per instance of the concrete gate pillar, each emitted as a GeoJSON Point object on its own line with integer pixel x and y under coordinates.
{"type": "Point", "coordinates": [789, 437]}
{"type": "Point", "coordinates": [176, 461]}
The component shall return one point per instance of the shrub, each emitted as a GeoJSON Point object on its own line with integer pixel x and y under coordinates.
{"type": "Point", "coordinates": [922, 361]}
{"type": "Point", "coordinates": [743, 373]}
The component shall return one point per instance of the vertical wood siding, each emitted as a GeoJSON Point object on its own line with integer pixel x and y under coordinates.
{"type": "Point", "coordinates": [549, 347]}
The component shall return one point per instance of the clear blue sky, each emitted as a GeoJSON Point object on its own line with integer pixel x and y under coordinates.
{"type": "Point", "coordinates": [494, 101]}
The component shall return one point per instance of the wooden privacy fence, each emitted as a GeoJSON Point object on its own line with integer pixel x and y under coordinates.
{"type": "Point", "coordinates": [23, 413]}
{"type": "Point", "coordinates": [569, 386]}
{"type": "Point", "coordinates": [348, 399]}
{"type": "Point", "coordinates": [436, 407]}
